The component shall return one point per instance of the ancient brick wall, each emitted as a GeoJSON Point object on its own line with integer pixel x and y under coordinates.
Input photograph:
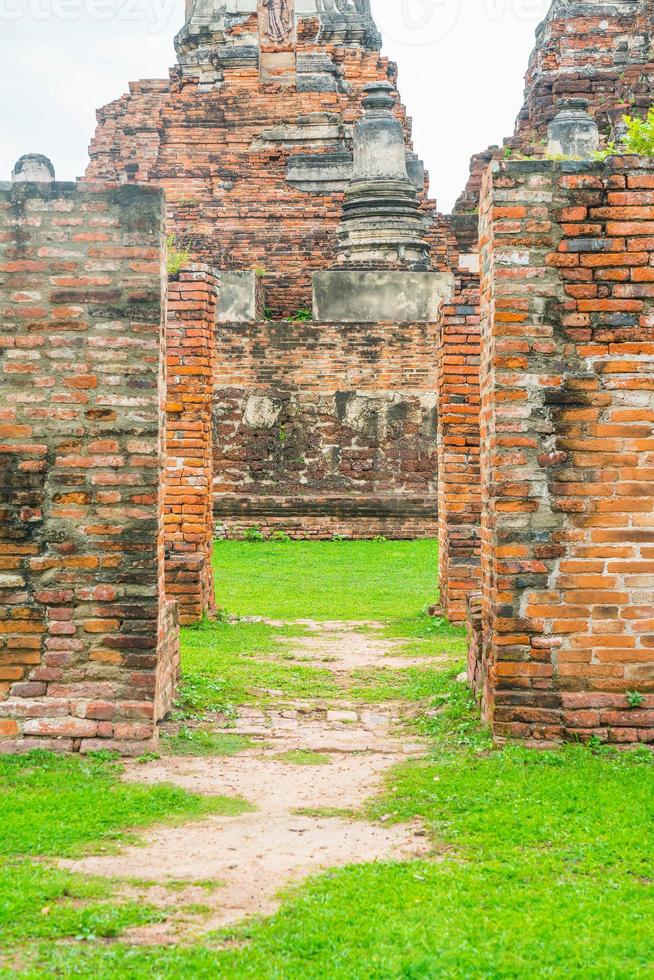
{"type": "Point", "coordinates": [601, 52]}
{"type": "Point", "coordinates": [598, 51]}
{"type": "Point", "coordinates": [88, 642]}
{"type": "Point", "coordinates": [324, 428]}
{"type": "Point", "coordinates": [191, 359]}
{"type": "Point", "coordinates": [567, 426]}
{"type": "Point", "coordinates": [459, 491]}
{"type": "Point", "coordinates": [255, 174]}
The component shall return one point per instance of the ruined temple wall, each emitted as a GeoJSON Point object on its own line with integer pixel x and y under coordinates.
{"type": "Point", "coordinates": [235, 159]}
{"type": "Point", "coordinates": [599, 50]}
{"type": "Point", "coordinates": [88, 641]}
{"type": "Point", "coordinates": [457, 355]}
{"type": "Point", "coordinates": [567, 419]}
{"type": "Point", "coordinates": [325, 428]}
{"type": "Point", "coordinates": [191, 364]}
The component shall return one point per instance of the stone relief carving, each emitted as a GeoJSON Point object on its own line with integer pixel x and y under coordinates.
{"type": "Point", "coordinates": [278, 20]}
{"type": "Point", "coordinates": [208, 43]}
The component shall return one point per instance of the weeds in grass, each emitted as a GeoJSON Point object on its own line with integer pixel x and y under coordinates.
{"type": "Point", "coordinates": [220, 669]}
{"type": "Point", "coordinates": [203, 742]}
{"type": "Point", "coordinates": [253, 535]}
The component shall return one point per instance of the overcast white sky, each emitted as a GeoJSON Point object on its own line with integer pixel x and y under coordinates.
{"type": "Point", "coordinates": [461, 62]}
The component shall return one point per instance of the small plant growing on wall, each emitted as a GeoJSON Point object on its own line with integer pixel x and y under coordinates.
{"type": "Point", "coordinates": [253, 534]}
{"type": "Point", "coordinates": [176, 258]}
{"type": "Point", "coordinates": [638, 139]}
{"type": "Point", "coordinates": [635, 699]}
{"type": "Point", "coordinates": [301, 316]}
{"type": "Point", "coordinates": [640, 134]}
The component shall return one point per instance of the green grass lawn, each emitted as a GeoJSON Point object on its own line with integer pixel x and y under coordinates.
{"type": "Point", "coordinates": [224, 665]}
{"type": "Point", "coordinates": [543, 862]}
{"type": "Point", "coordinates": [54, 806]}
{"type": "Point", "coordinates": [350, 580]}
{"type": "Point", "coordinates": [544, 868]}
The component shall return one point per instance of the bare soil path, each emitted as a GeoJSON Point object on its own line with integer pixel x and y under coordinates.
{"type": "Point", "coordinates": [303, 820]}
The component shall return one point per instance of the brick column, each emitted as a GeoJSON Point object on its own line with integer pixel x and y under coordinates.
{"type": "Point", "coordinates": [459, 491]}
{"type": "Point", "coordinates": [567, 426]}
{"type": "Point", "coordinates": [191, 341]}
{"type": "Point", "coordinates": [88, 642]}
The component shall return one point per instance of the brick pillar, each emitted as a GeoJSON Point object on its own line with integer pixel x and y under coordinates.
{"type": "Point", "coordinates": [88, 642]}
{"type": "Point", "coordinates": [567, 425]}
{"type": "Point", "coordinates": [191, 333]}
{"type": "Point", "coordinates": [459, 491]}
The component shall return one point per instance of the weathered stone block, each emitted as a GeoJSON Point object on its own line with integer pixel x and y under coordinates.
{"type": "Point", "coordinates": [239, 297]}
{"type": "Point", "coordinates": [380, 296]}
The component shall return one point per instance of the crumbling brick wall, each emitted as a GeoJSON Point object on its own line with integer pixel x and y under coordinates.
{"type": "Point", "coordinates": [599, 51]}
{"type": "Point", "coordinates": [88, 642]}
{"type": "Point", "coordinates": [191, 360]}
{"type": "Point", "coordinates": [567, 421]}
{"type": "Point", "coordinates": [254, 174]}
{"type": "Point", "coordinates": [325, 428]}
{"type": "Point", "coordinates": [459, 491]}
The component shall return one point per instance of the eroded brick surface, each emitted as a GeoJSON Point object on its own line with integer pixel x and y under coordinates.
{"type": "Point", "coordinates": [191, 360]}
{"type": "Point", "coordinates": [459, 490]}
{"type": "Point", "coordinates": [83, 618]}
{"type": "Point", "coordinates": [323, 428]}
{"type": "Point", "coordinates": [567, 448]}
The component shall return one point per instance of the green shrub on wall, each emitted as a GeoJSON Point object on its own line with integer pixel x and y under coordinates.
{"type": "Point", "coordinates": [638, 139]}
{"type": "Point", "coordinates": [640, 134]}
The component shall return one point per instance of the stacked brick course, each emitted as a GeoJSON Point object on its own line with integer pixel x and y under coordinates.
{"type": "Point", "coordinates": [324, 428]}
{"type": "Point", "coordinates": [191, 359]}
{"type": "Point", "coordinates": [88, 643]}
{"type": "Point", "coordinates": [568, 449]}
{"type": "Point", "coordinates": [459, 491]}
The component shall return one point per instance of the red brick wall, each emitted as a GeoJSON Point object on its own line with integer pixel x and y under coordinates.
{"type": "Point", "coordinates": [224, 171]}
{"type": "Point", "coordinates": [459, 491]}
{"type": "Point", "coordinates": [324, 428]}
{"type": "Point", "coordinates": [568, 449]}
{"type": "Point", "coordinates": [595, 51]}
{"type": "Point", "coordinates": [84, 625]}
{"type": "Point", "coordinates": [191, 358]}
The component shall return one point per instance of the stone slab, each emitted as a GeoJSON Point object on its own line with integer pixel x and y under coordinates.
{"type": "Point", "coordinates": [238, 297]}
{"type": "Point", "coordinates": [378, 296]}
